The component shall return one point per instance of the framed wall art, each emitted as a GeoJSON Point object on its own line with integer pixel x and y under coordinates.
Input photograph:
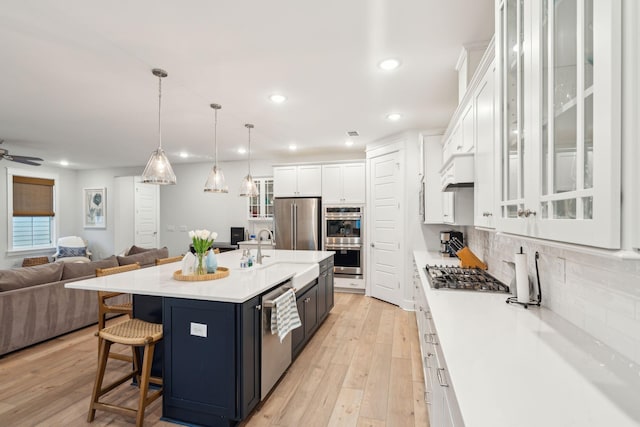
{"type": "Point", "coordinates": [95, 208]}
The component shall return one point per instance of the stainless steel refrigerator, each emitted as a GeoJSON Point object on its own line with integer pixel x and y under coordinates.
{"type": "Point", "coordinates": [298, 223]}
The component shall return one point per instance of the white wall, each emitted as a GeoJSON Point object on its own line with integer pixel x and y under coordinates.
{"type": "Point", "coordinates": [100, 241]}
{"type": "Point", "coordinates": [186, 204]}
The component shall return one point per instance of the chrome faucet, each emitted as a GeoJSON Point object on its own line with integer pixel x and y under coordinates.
{"type": "Point", "coordinates": [259, 255]}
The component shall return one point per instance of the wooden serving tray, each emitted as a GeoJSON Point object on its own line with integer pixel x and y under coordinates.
{"type": "Point", "coordinates": [219, 274]}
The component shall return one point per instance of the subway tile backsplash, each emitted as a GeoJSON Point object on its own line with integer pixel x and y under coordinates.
{"type": "Point", "coordinates": [596, 293]}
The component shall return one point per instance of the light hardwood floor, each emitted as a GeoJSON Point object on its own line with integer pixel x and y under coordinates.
{"type": "Point", "coordinates": [361, 368]}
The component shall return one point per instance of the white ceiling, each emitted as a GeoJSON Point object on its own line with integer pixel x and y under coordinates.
{"type": "Point", "coordinates": [76, 82]}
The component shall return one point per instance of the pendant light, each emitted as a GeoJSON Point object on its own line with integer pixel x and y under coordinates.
{"type": "Point", "coordinates": [158, 170]}
{"type": "Point", "coordinates": [215, 182]}
{"type": "Point", "coordinates": [248, 187]}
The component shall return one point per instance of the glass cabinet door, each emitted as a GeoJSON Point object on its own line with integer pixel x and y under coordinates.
{"type": "Point", "coordinates": [567, 109]}
{"type": "Point", "coordinates": [261, 206]}
{"type": "Point", "coordinates": [512, 68]}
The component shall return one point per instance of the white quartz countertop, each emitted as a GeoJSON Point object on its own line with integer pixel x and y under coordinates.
{"type": "Point", "coordinates": [511, 366]}
{"type": "Point", "coordinates": [240, 286]}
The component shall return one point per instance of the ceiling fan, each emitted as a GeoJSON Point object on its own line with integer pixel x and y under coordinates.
{"type": "Point", "coordinates": [4, 154]}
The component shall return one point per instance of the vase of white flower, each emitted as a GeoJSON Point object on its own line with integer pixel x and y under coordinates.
{"type": "Point", "coordinates": [202, 240]}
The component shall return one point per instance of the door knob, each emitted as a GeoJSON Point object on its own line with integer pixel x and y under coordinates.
{"type": "Point", "coordinates": [373, 245]}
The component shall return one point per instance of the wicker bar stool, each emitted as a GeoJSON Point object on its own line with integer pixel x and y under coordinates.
{"type": "Point", "coordinates": [104, 307]}
{"type": "Point", "coordinates": [135, 333]}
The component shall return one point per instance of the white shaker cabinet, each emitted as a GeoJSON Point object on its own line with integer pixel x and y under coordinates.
{"type": "Point", "coordinates": [484, 188]}
{"type": "Point", "coordinates": [560, 143]}
{"type": "Point", "coordinates": [297, 181]}
{"type": "Point", "coordinates": [343, 183]}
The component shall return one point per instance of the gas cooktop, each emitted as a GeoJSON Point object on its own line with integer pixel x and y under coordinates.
{"type": "Point", "coordinates": [472, 279]}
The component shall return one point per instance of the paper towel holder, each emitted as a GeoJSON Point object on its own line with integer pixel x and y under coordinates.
{"type": "Point", "coordinates": [538, 300]}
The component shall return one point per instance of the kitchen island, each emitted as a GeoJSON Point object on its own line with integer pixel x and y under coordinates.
{"type": "Point", "coordinates": [504, 365]}
{"type": "Point", "coordinates": [213, 329]}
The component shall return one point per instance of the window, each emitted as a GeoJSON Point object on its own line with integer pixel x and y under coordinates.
{"type": "Point", "coordinates": [31, 210]}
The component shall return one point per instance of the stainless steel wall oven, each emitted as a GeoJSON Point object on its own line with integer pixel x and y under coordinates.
{"type": "Point", "coordinates": [343, 234]}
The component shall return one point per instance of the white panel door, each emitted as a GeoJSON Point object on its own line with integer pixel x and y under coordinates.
{"type": "Point", "coordinates": [146, 215]}
{"type": "Point", "coordinates": [387, 228]}
{"type": "Point", "coordinates": [353, 177]}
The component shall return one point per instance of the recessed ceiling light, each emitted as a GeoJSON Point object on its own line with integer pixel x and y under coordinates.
{"type": "Point", "coordinates": [389, 64]}
{"type": "Point", "coordinates": [184, 154]}
{"type": "Point", "coordinates": [394, 117]}
{"type": "Point", "coordinates": [277, 98]}
{"type": "Point", "coordinates": [293, 147]}
{"type": "Point", "coordinates": [348, 142]}
{"type": "Point", "coordinates": [242, 150]}
{"type": "Point", "coordinates": [64, 163]}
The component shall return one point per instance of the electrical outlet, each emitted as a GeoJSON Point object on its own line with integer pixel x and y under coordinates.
{"type": "Point", "coordinates": [171, 228]}
{"type": "Point", "coordinates": [199, 329]}
{"type": "Point", "coordinates": [558, 269]}
{"type": "Point", "coordinates": [182, 228]}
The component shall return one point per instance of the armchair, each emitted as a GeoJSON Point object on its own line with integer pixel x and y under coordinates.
{"type": "Point", "coordinates": [72, 249]}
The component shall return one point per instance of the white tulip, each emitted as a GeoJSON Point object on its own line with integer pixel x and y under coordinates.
{"type": "Point", "coordinates": [213, 235]}
{"type": "Point", "coordinates": [192, 234]}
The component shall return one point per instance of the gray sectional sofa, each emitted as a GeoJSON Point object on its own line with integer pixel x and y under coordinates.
{"type": "Point", "coordinates": [35, 306]}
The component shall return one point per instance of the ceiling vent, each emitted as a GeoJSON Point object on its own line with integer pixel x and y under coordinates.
{"type": "Point", "coordinates": [353, 133]}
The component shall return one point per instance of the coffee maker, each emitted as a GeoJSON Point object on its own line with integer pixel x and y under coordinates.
{"type": "Point", "coordinates": [445, 238]}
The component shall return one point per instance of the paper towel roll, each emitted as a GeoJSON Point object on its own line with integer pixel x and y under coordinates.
{"type": "Point", "coordinates": [522, 278]}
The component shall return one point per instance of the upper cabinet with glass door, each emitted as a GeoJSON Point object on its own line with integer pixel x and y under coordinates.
{"type": "Point", "coordinates": [560, 120]}
{"type": "Point", "coordinates": [261, 206]}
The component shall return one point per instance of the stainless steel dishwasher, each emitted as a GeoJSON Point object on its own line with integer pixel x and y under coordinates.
{"type": "Point", "coordinates": [276, 355]}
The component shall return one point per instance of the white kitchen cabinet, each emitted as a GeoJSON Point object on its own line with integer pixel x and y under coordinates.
{"type": "Point", "coordinates": [343, 183]}
{"type": "Point", "coordinates": [468, 129]}
{"type": "Point", "coordinates": [485, 126]}
{"type": "Point", "coordinates": [560, 154]}
{"type": "Point", "coordinates": [297, 181]}
{"type": "Point", "coordinates": [439, 396]}
{"type": "Point", "coordinates": [454, 207]}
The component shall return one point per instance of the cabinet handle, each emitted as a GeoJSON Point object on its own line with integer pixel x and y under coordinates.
{"type": "Point", "coordinates": [440, 375]}
{"type": "Point", "coordinates": [458, 147]}
{"type": "Point", "coordinates": [426, 398]}
{"type": "Point", "coordinates": [526, 213]}
{"type": "Point", "coordinates": [258, 307]}
{"type": "Point", "coordinates": [430, 339]}
{"type": "Point", "coordinates": [487, 214]}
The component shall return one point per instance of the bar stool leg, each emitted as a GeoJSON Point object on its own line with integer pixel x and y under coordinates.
{"type": "Point", "coordinates": [144, 382]}
{"type": "Point", "coordinates": [105, 346]}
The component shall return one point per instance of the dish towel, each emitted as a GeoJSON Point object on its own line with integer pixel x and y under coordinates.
{"type": "Point", "coordinates": [284, 314]}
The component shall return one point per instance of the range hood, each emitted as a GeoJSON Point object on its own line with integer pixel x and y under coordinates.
{"type": "Point", "coordinates": [457, 172]}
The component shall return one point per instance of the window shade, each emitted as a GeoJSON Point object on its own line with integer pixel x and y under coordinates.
{"type": "Point", "coordinates": [32, 196]}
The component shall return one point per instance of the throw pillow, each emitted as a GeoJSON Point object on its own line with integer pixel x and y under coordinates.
{"type": "Point", "coordinates": [81, 269]}
{"type": "Point", "coordinates": [69, 251]}
{"type": "Point", "coordinates": [23, 277]}
{"type": "Point", "coordinates": [145, 259]}
{"type": "Point", "coordinates": [138, 250]}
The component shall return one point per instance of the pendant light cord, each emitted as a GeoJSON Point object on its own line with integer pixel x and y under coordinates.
{"type": "Point", "coordinates": [215, 137]}
{"type": "Point", "coordinates": [249, 150]}
{"type": "Point", "coordinates": [160, 112]}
